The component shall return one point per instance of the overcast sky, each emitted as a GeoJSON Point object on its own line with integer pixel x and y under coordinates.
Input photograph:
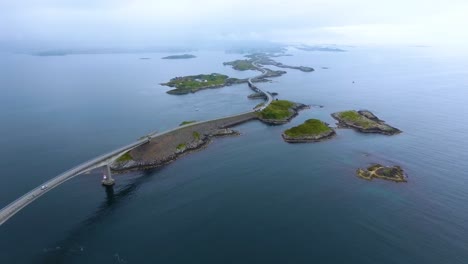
{"type": "Point", "coordinates": [139, 23]}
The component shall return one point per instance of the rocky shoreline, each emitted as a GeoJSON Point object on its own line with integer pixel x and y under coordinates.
{"type": "Point", "coordinates": [169, 146]}
{"type": "Point", "coordinates": [200, 143]}
{"type": "Point", "coordinates": [364, 121]}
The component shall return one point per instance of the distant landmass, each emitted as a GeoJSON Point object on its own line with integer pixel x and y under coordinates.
{"type": "Point", "coordinates": [51, 53]}
{"type": "Point", "coordinates": [176, 57]}
{"type": "Point", "coordinates": [253, 50]}
{"type": "Point", "coordinates": [319, 48]}
{"type": "Point", "coordinates": [64, 52]}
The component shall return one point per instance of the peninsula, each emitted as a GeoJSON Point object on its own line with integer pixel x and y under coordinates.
{"type": "Point", "coordinates": [178, 57]}
{"type": "Point", "coordinates": [312, 130]}
{"type": "Point", "coordinates": [394, 173]}
{"type": "Point", "coordinates": [364, 121]}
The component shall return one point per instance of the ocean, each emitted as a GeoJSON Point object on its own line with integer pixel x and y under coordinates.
{"type": "Point", "coordinates": [246, 199]}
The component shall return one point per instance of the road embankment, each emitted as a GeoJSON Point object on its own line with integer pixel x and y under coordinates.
{"type": "Point", "coordinates": [168, 146]}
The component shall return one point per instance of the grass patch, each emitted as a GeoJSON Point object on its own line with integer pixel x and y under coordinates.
{"type": "Point", "coordinates": [187, 122]}
{"type": "Point", "coordinates": [310, 127]}
{"type": "Point", "coordinates": [181, 146]}
{"type": "Point", "coordinates": [125, 157]}
{"type": "Point", "coordinates": [277, 110]}
{"type": "Point", "coordinates": [356, 118]}
{"type": "Point", "coordinates": [196, 135]}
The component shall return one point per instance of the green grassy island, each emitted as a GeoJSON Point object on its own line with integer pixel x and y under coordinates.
{"type": "Point", "coordinates": [312, 130]}
{"type": "Point", "coordinates": [394, 173]}
{"type": "Point", "coordinates": [241, 65]}
{"type": "Point", "coordinates": [364, 121]}
{"type": "Point", "coordinates": [194, 83]}
{"type": "Point", "coordinates": [183, 56]}
{"type": "Point", "coordinates": [280, 112]}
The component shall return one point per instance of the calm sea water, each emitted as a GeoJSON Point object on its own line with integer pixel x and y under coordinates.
{"type": "Point", "coordinates": [247, 199]}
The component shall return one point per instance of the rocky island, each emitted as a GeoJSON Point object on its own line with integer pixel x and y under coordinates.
{"type": "Point", "coordinates": [364, 121]}
{"type": "Point", "coordinates": [194, 83]}
{"type": "Point", "coordinates": [280, 112]}
{"type": "Point", "coordinates": [262, 59]}
{"type": "Point", "coordinates": [244, 65]}
{"type": "Point", "coordinates": [178, 57]}
{"type": "Point", "coordinates": [394, 173]}
{"type": "Point", "coordinates": [265, 59]}
{"type": "Point", "coordinates": [312, 130]}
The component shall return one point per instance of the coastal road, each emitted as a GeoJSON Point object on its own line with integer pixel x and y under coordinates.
{"type": "Point", "coordinates": [14, 207]}
{"type": "Point", "coordinates": [258, 90]}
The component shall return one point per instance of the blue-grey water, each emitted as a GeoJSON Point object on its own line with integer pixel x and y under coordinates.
{"type": "Point", "coordinates": [247, 199]}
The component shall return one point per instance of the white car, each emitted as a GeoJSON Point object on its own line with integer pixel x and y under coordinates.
{"type": "Point", "coordinates": [43, 187]}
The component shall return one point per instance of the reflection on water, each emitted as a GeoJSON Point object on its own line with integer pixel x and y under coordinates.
{"type": "Point", "coordinates": [114, 199]}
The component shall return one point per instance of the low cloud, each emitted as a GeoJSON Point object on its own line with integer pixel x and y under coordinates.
{"type": "Point", "coordinates": [86, 23]}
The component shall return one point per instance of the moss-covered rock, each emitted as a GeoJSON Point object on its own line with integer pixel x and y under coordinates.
{"type": "Point", "coordinates": [364, 121]}
{"type": "Point", "coordinates": [280, 112]}
{"type": "Point", "coordinates": [312, 130]}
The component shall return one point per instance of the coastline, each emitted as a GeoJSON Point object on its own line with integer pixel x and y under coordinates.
{"type": "Point", "coordinates": [166, 148]}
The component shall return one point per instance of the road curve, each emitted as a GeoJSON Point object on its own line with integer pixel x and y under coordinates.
{"type": "Point", "coordinates": [14, 207]}
{"type": "Point", "coordinates": [258, 90]}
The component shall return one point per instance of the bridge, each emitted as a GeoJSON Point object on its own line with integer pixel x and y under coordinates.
{"type": "Point", "coordinates": [104, 160]}
{"type": "Point", "coordinates": [269, 97]}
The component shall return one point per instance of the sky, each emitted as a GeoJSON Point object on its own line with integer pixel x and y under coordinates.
{"type": "Point", "coordinates": [150, 23]}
